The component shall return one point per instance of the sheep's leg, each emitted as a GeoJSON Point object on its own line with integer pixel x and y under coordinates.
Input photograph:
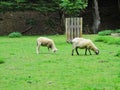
{"type": "Point", "coordinates": [85, 51]}
{"type": "Point", "coordinates": [72, 51]}
{"type": "Point", "coordinates": [48, 49]}
{"type": "Point", "coordinates": [37, 48]}
{"type": "Point", "coordinates": [77, 51]}
{"type": "Point", "coordinates": [89, 51]}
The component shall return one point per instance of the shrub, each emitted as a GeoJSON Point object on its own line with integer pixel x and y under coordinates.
{"type": "Point", "coordinates": [105, 32]}
{"type": "Point", "coordinates": [15, 34]}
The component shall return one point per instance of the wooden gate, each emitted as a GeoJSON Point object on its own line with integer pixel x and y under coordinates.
{"type": "Point", "coordinates": [73, 28]}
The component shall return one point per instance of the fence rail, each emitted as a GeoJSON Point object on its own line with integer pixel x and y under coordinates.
{"type": "Point", "coordinates": [73, 28]}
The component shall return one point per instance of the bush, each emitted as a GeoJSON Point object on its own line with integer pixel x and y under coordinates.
{"type": "Point", "coordinates": [105, 32]}
{"type": "Point", "coordinates": [15, 34]}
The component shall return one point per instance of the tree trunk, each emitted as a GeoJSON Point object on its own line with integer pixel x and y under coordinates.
{"type": "Point", "coordinates": [62, 20]}
{"type": "Point", "coordinates": [96, 17]}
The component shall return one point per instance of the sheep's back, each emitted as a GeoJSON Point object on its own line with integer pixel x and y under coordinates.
{"type": "Point", "coordinates": [44, 41]}
{"type": "Point", "coordinates": [81, 42]}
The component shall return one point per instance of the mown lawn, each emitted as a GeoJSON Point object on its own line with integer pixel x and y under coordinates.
{"type": "Point", "coordinates": [23, 69]}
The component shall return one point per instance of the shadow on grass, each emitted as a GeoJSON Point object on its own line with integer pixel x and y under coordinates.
{"type": "Point", "coordinates": [2, 60]}
{"type": "Point", "coordinates": [44, 53]}
{"type": "Point", "coordinates": [84, 55]}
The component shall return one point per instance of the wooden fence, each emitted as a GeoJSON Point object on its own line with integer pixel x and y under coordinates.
{"type": "Point", "coordinates": [73, 28]}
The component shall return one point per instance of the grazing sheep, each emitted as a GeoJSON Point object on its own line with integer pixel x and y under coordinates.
{"type": "Point", "coordinates": [86, 44]}
{"type": "Point", "coordinates": [43, 41]}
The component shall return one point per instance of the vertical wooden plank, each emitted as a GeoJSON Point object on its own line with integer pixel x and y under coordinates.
{"type": "Point", "coordinates": [75, 28]}
{"type": "Point", "coordinates": [71, 28]}
{"type": "Point", "coordinates": [81, 27]}
{"type": "Point", "coordinates": [68, 29]}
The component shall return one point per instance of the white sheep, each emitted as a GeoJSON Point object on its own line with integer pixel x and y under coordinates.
{"type": "Point", "coordinates": [83, 43]}
{"type": "Point", "coordinates": [43, 41]}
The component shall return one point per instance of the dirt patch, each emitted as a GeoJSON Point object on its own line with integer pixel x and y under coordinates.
{"type": "Point", "coordinates": [30, 23]}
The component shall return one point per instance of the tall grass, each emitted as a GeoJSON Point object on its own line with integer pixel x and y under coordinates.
{"type": "Point", "coordinates": [105, 32]}
{"type": "Point", "coordinates": [108, 32]}
{"type": "Point", "coordinates": [23, 69]}
{"type": "Point", "coordinates": [108, 39]}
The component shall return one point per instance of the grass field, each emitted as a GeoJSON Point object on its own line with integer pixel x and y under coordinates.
{"type": "Point", "coordinates": [23, 69]}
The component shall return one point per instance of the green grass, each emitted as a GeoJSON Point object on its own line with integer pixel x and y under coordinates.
{"type": "Point", "coordinates": [23, 69]}
{"type": "Point", "coordinates": [108, 32]}
{"type": "Point", "coordinates": [105, 32]}
{"type": "Point", "coordinates": [108, 39]}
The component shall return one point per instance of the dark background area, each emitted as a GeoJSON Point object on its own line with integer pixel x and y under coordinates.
{"type": "Point", "coordinates": [43, 23]}
{"type": "Point", "coordinates": [109, 14]}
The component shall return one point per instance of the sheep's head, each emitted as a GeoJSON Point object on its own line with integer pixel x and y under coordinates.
{"type": "Point", "coordinates": [54, 50]}
{"type": "Point", "coordinates": [97, 52]}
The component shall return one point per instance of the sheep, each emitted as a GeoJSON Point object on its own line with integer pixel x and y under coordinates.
{"type": "Point", "coordinates": [43, 41]}
{"type": "Point", "coordinates": [83, 43]}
